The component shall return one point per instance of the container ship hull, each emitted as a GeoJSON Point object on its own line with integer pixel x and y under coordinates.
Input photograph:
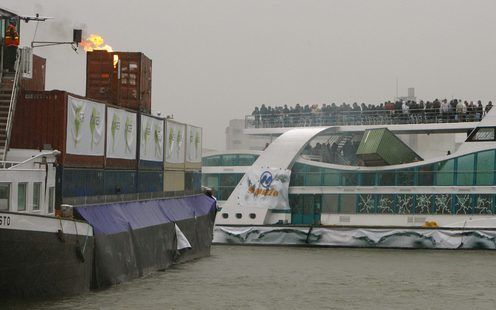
{"type": "Point", "coordinates": [44, 256]}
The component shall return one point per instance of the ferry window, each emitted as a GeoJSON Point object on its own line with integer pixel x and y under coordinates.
{"type": "Point", "coordinates": [445, 173]}
{"type": "Point", "coordinates": [423, 204]}
{"type": "Point", "coordinates": [330, 203]}
{"type": "Point", "coordinates": [331, 178]}
{"type": "Point", "coordinates": [368, 179]}
{"type": "Point", "coordinates": [482, 134]}
{"type": "Point", "coordinates": [366, 203]}
{"type": "Point", "coordinates": [385, 203]}
{"type": "Point", "coordinates": [225, 215]}
{"type": "Point", "coordinates": [229, 179]}
{"type": "Point", "coordinates": [211, 180]}
{"type": "Point", "coordinates": [442, 204]}
{"type": "Point", "coordinates": [386, 178]}
{"type": "Point", "coordinates": [212, 161]}
{"type": "Point", "coordinates": [21, 196]}
{"type": "Point", "coordinates": [229, 160]}
{"type": "Point", "coordinates": [426, 175]}
{"type": "Point", "coordinates": [4, 196]}
{"type": "Point", "coordinates": [51, 199]}
{"type": "Point", "coordinates": [36, 195]}
{"type": "Point", "coordinates": [313, 176]}
{"type": "Point", "coordinates": [297, 178]}
{"type": "Point", "coordinates": [247, 160]}
{"type": "Point", "coordinates": [253, 216]}
{"type": "Point", "coordinates": [484, 204]}
{"type": "Point", "coordinates": [463, 204]}
{"type": "Point", "coordinates": [349, 179]}
{"type": "Point", "coordinates": [348, 204]}
{"type": "Point", "coordinates": [239, 215]}
{"type": "Point", "coordinates": [465, 170]}
{"type": "Point", "coordinates": [485, 168]}
{"type": "Point", "coordinates": [406, 177]}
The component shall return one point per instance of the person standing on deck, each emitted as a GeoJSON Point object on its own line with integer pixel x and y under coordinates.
{"type": "Point", "coordinates": [11, 42]}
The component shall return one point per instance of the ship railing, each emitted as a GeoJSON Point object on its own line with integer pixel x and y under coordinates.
{"type": "Point", "coordinates": [13, 101]}
{"type": "Point", "coordinates": [351, 118]}
{"type": "Point", "coordinates": [99, 199]}
{"type": "Point", "coordinates": [7, 164]}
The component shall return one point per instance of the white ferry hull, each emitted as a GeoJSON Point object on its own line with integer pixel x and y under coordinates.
{"type": "Point", "coordinates": [362, 237]}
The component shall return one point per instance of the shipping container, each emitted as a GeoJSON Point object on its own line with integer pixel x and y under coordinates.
{"type": "Point", "coordinates": [193, 158]}
{"type": "Point", "coordinates": [37, 80]}
{"type": "Point", "coordinates": [122, 138]}
{"type": "Point", "coordinates": [175, 145]}
{"type": "Point", "coordinates": [119, 182]}
{"type": "Point", "coordinates": [380, 147]}
{"type": "Point", "coordinates": [151, 142]}
{"type": "Point", "coordinates": [73, 182]}
{"type": "Point", "coordinates": [62, 121]}
{"type": "Point", "coordinates": [173, 180]}
{"type": "Point", "coordinates": [120, 78]}
{"type": "Point", "coordinates": [150, 181]}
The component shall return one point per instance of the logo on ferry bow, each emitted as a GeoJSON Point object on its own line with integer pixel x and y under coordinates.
{"type": "Point", "coordinates": [266, 179]}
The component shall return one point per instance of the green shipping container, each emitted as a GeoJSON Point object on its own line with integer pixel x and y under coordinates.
{"type": "Point", "coordinates": [380, 147]}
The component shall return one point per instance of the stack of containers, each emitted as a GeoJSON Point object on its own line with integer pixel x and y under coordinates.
{"type": "Point", "coordinates": [120, 78]}
{"type": "Point", "coordinates": [121, 151]}
{"type": "Point", "coordinates": [174, 158]}
{"type": "Point", "coordinates": [193, 161]}
{"type": "Point", "coordinates": [68, 123]}
{"type": "Point", "coordinates": [123, 79]}
{"type": "Point", "coordinates": [36, 79]}
{"type": "Point", "coordinates": [151, 154]}
{"type": "Point", "coordinates": [109, 142]}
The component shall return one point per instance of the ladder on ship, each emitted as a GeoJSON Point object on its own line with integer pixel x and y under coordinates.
{"type": "Point", "coordinates": [9, 88]}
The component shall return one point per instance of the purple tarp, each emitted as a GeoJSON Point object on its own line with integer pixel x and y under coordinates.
{"type": "Point", "coordinates": [118, 217]}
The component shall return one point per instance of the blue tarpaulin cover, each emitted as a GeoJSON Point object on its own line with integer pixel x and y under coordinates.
{"type": "Point", "coordinates": [112, 218]}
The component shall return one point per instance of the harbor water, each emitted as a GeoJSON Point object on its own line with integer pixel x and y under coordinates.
{"type": "Point", "coordinates": [246, 277]}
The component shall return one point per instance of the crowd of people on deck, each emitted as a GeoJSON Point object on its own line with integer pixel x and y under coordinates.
{"type": "Point", "coordinates": [389, 112]}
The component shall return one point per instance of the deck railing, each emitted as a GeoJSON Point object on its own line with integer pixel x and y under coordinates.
{"type": "Point", "coordinates": [344, 118]}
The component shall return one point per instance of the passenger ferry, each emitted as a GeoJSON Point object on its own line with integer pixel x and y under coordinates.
{"type": "Point", "coordinates": [388, 191]}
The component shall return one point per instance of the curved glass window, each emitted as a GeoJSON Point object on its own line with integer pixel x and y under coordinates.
{"type": "Point", "coordinates": [313, 176]}
{"type": "Point", "coordinates": [406, 177]}
{"type": "Point", "coordinates": [212, 160]}
{"type": "Point", "coordinates": [246, 159]}
{"type": "Point", "coordinates": [331, 178]}
{"type": "Point", "coordinates": [445, 175]}
{"type": "Point", "coordinates": [349, 178]}
{"type": "Point", "coordinates": [485, 168]}
{"type": "Point", "coordinates": [482, 134]}
{"type": "Point", "coordinates": [386, 178]}
{"type": "Point", "coordinates": [465, 170]}
{"type": "Point", "coordinates": [368, 179]}
{"type": "Point", "coordinates": [468, 170]}
{"type": "Point", "coordinates": [229, 160]}
{"type": "Point", "coordinates": [425, 175]}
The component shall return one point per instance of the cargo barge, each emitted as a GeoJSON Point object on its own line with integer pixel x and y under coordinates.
{"type": "Point", "coordinates": [94, 189]}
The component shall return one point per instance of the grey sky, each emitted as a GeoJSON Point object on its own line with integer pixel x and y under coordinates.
{"type": "Point", "coordinates": [215, 60]}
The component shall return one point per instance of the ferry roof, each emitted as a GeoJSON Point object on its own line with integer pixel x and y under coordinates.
{"type": "Point", "coordinates": [397, 129]}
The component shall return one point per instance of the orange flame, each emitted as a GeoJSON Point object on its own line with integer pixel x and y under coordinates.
{"type": "Point", "coordinates": [95, 42]}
